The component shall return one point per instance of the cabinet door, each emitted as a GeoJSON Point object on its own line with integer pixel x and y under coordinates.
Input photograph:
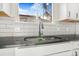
{"type": "Point", "coordinates": [14, 10]}
{"type": "Point", "coordinates": [76, 52]}
{"type": "Point", "coordinates": [4, 9]}
{"type": "Point", "coordinates": [62, 11]}
{"type": "Point", "coordinates": [77, 14]}
{"type": "Point", "coordinates": [68, 53]}
{"type": "Point", "coordinates": [10, 9]}
{"type": "Point", "coordinates": [0, 6]}
{"type": "Point", "coordinates": [7, 52]}
{"type": "Point", "coordinates": [67, 11]}
{"type": "Point", "coordinates": [72, 9]}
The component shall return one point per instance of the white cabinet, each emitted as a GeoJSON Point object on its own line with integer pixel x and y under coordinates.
{"type": "Point", "coordinates": [8, 9]}
{"type": "Point", "coordinates": [75, 48]}
{"type": "Point", "coordinates": [62, 11]}
{"type": "Point", "coordinates": [7, 52]}
{"type": "Point", "coordinates": [73, 10]}
{"type": "Point", "coordinates": [4, 9]}
{"type": "Point", "coordinates": [77, 52]}
{"type": "Point", "coordinates": [73, 52]}
{"type": "Point", "coordinates": [43, 50]}
{"type": "Point", "coordinates": [14, 10]}
{"type": "Point", "coordinates": [68, 53]}
{"type": "Point", "coordinates": [0, 6]}
{"type": "Point", "coordinates": [67, 11]}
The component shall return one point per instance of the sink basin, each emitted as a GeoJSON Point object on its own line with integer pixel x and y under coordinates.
{"type": "Point", "coordinates": [42, 40]}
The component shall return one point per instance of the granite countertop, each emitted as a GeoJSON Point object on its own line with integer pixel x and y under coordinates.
{"type": "Point", "coordinates": [10, 42]}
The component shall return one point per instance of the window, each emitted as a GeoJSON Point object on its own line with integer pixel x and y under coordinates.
{"type": "Point", "coordinates": [35, 11]}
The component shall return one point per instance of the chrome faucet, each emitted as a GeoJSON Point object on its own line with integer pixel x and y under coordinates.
{"type": "Point", "coordinates": [41, 27]}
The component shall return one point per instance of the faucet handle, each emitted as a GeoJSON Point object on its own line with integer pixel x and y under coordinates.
{"type": "Point", "coordinates": [42, 26]}
{"type": "Point", "coordinates": [41, 33]}
{"type": "Point", "coordinates": [25, 39]}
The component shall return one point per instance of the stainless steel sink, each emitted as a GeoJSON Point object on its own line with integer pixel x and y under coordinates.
{"type": "Point", "coordinates": [41, 40]}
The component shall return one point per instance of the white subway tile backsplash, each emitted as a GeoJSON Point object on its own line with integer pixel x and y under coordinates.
{"type": "Point", "coordinates": [32, 29]}
{"type": "Point", "coordinates": [25, 34]}
{"type": "Point", "coordinates": [6, 30]}
{"type": "Point", "coordinates": [59, 29]}
{"type": "Point", "coordinates": [18, 29]}
{"type": "Point", "coordinates": [2, 34]}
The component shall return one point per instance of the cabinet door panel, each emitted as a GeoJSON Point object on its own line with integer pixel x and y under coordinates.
{"type": "Point", "coordinates": [72, 8]}
{"type": "Point", "coordinates": [7, 52]}
{"type": "Point", "coordinates": [63, 11]}
{"type": "Point", "coordinates": [14, 10]}
{"type": "Point", "coordinates": [76, 52]}
{"type": "Point", "coordinates": [0, 6]}
{"type": "Point", "coordinates": [6, 8]}
{"type": "Point", "coordinates": [69, 53]}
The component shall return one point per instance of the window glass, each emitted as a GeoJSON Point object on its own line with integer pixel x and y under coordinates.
{"type": "Point", "coordinates": [35, 11]}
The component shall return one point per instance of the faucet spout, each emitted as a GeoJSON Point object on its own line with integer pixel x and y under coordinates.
{"type": "Point", "coordinates": [41, 27]}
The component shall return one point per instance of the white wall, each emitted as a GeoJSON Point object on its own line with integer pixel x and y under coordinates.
{"type": "Point", "coordinates": [8, 27]}
{"type": "Point", "coordinates": [59, 29]}
{"type": "Point", "coordinates": [77, 28]}
{"type": "Point", "coordinates": [62, 11]}
{"type": "Point", "coordinates": [55, 11]}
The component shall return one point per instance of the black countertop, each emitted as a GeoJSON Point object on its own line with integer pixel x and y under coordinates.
{"type": "Point", "coordinates": [14, 40]}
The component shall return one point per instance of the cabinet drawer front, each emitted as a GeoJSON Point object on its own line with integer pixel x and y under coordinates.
{"type": "Point", "coordinates": [7, 52]}
{"type": "Point", "coordinates": [68, 53]}
{"type": "Point", "coordinates": [42, 49]}
{"type": "Point", "coordinates": [75, 44]}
